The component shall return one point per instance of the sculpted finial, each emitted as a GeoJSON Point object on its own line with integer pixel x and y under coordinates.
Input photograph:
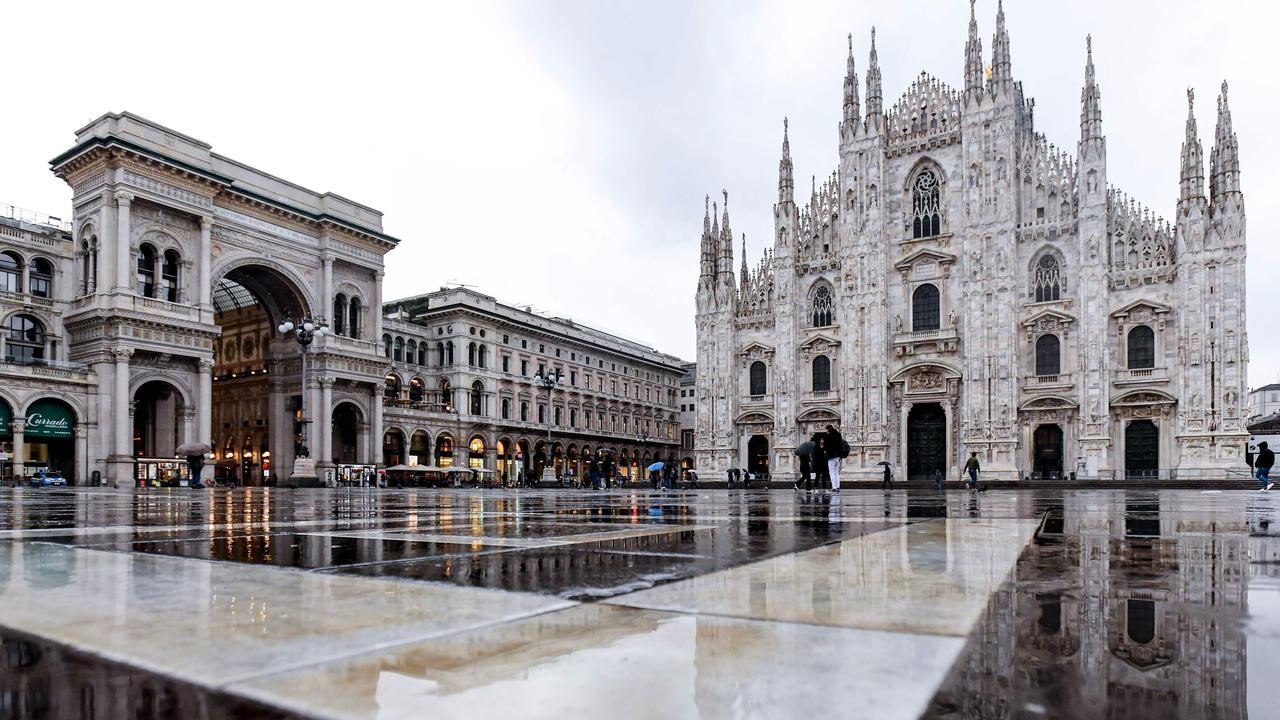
{"type": "Point", "coordinates": [1191, 98]}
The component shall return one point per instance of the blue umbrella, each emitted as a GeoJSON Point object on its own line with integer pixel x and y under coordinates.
{"type": "Point", "coordinates": [656, 466]}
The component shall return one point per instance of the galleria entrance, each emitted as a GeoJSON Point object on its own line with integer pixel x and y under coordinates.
{"type": "Point", "coordinates": [926, 442]}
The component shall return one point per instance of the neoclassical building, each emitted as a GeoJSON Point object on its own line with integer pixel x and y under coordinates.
{"type": "Point", "coordinates": [460, 391]}
{"type": "Point", "coordinates": [958, 284]}
{"type": "Point", "coordinates": [150, 318]}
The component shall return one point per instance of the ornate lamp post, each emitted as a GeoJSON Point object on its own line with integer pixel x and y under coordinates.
{"type": "Point", "coordinates": [549, 381]}
{"type": "Point", "coordinates": [304, 332]}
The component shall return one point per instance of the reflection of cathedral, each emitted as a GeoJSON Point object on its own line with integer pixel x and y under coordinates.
{"type": "Point", "coordinates": [960, 285]}
{"type": "Point", "coordinates": [1131, 612]}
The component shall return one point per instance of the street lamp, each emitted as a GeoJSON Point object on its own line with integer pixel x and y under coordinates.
{"type": "Point", "coordinates": [549, 380]}
{"type": "Point", "coordinates": [304, 332]}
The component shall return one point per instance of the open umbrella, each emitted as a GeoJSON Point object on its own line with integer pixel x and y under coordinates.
{"type": "Point", "coordinates": [806, 448]}
{"type": "Point", "coordinates": [194, 448]}
{"type": "Point", "coordinates": [656, 466]}
{"type": "Point", "coordinates": [885, 462]}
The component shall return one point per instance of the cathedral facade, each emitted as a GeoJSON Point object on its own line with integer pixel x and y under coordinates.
{"type": "Point", "coordinates": [960, 285]}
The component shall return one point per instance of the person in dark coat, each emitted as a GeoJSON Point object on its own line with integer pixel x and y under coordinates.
{"type": "Point", "coordinates": [835, 446]}
{"type": "Point", "coordinates": [819, 461]}
{"type": "Point", "coordinates": [806, 467]}
{"type": "Point", "coordinates": [1262, 465]}
{"type": "Point", "coordinates": [887, 482]}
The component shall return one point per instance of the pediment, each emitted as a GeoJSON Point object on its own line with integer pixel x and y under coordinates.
{"type": "Point", "coordinates": [756, 350]}
{"type": "Point", "coordinates": [1145, 397]}
{"type": "Point", "coordinates": [924, 255]}
{"type": "Point", "coordinates": [1137, 307]}
{"type": "Point", "coordinates": [816, 414]}
{"type": "Point", "coordinates": [819, 342]}
{"type": "Point", "coordinates": [754, 417]}
{"type": "Point", "coordinates": [1050, 318]}
{"type": "Point", "coordinates": [1050, 402]}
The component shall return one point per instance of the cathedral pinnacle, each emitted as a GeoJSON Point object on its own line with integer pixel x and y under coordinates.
{"type": "Point", "coordinates": [1090, 99]}
{"type": "Point", "coordinates": [1192, 180]}
{"type": "Point", "coordinates": [972, 57]}
{"type": "Point", "coordinates": [1001, 65]}
{"type": "Point", "coordinates": [852, 111]}
{"type": "Point", "coordinates": [786, 183]}
{"type": "Point", "coordinates": [1224, 159]}
{"type": "Point", "coordinates": [875, 98]}
{"type": "Point", "coordinates": [745, 274]}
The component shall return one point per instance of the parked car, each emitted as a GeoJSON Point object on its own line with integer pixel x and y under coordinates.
{"type": "Point", "coordinates": [48, 479]}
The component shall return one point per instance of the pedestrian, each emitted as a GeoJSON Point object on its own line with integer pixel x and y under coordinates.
{"type": "Point", "coordinates": [1262, 465]}
{"type": "Point", "coordinates": [887, 482]}
{"type": "Point", "coordinates": [654, 479]}
{"type": "Point", "coordinates": [837, 450]}
{"type": "Point", "coordinates": [971, 468]}
{"type": "Point", "coordinates": [805, 482]}
{"type": "Point", "coordinates": [822, 469]}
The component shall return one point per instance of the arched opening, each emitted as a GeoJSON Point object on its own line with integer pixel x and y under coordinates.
{"type": "Point", "coordinates": [257, 371]}
{"type": "Point", "coordinates": [420, 448]}
{"type": "Point", "coordinates": [1140, 620]}
{"type": "Point", "coordinates": [10, 272]}
{"type": "Point", "coordinates": [146, 276]}
{"type": "Point", "coordinates": [393, 448]}
{"type": "Point", "coordinates": [1142, 449]}
{"type": "Point", "coordinates": [1047, 451]}
{"type": "Point", "coordinates": [758, 378]}
{"type": "Point", "coordinates": [444, 450]}
{"type": "Point", "coordinates": [353, 318]}
{"type": "Point", "coordinates": [475, 453]}
{"type": "Point", "coordinates": [157, 411]}
{"type": "Point", "coordinates": [411, 351]}
{"type": "Point", "coordinates": [926, 309]}
{"type": "Point", "coordinates": [41, 277]}
{"type": "Point", "coordinates": [504, 461]}
{"type": "Point", "coordinates": [823, 307]}
{"type": "Point", "coordinates": [49, 438]}
{"type": "Point", "coordinates": [1048, 355]}
{"type": "Point", "coordinates": [1046, 283]}
{"type": "Point", "coordinates": [340, 314]}
{"type": "Point", "coordinates": [170, 290]}
{"type": "Point", "coordinates": [926, 205]}
{"type": "Point", "coordinates": [758, 454]}
{"type": "Point", "coordinates": [822, 374]}
{"type": "Point", "coordinates": [24, 340]}
{"type": "Point", "coordinates": [417, 390]}
{"type": "Point", "coordinates": [477, 398]}
{"type": "Point", "coordinates": [346, 424]}
{"type": "Point", "coordinates": [926, 442]}
{"type": "Point", "coordinates": [6, 436]}
{"type": "Point", "coordinates": [524, 460]}
{"type": "Point", "coordinates": [391, 387]}
{"type": "Point", "coordinates": [1142, 348]}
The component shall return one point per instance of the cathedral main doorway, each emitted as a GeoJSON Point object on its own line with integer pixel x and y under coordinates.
{"type": "Point", "coordinates": [1047, 449]}
{"type": "Point", "coordinates": [1141, 449]}
{"type": "Point", "coordinates": [758, 454]}
{"type": "Point", "coordinates": [926, 442]}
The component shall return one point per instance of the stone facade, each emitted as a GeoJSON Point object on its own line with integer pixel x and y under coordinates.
{"type": "Point", "coordinates": [460, 391]}
{"type": "Point", "coordinates": [958, 284]}
{"type": "Point", "coordinates": [168, 242]}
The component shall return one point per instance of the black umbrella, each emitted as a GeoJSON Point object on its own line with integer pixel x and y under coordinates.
{"type": "Point", "coordinates": [806, 448]}
{"type": "Point", "coordinates": [885, 462]}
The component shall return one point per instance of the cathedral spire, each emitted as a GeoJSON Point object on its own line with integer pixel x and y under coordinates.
{"type": "Point", "coordinates": [1224, 159]}
{"type": "Point", "coordinates": [1192, 181]}
{"type": "Point", "coordinates": [875, 98]}
{"type": "Point", "coordinates": [745, 274]}
{"type": "Point", "coordinates": [972, 58]}
{"type": "Point", "coordinates": [1090, 100]}
{"type": "Point", "coordinates": [1001, 65]}
{"type": "Point", "coordinates": [725, 263]}
{"type": "Point", "coordinates": [852, 111]}
{"type": "Point", "coordinates": [708, 243]}
{"type": "Point", "coordinates": [786, 183]}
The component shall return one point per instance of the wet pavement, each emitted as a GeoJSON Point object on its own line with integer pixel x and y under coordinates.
{"type": "Point", "coordinates": [558, 604]}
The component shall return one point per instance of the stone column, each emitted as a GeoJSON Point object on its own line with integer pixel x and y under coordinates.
{"type": "Point", "coordinates": [26, 277]}
{"type": "Point", "coordinates": [186, 424]}
{"type": "Point", "coordinates": [18, 427]}
{"type": "Point", "coordinates": [902, 437]}
{"type": "Point", "coordinates": [123, 240]}
{"type": "Point", "coordinates": [82, 455]}
{"type": "Point", "coordinates": [123, 429]}
{"type": "Point", "coordinates": [324, 419]}
{"type": "Point", "coordinates": [326, 289]}
{"type": "Point", "coordinates": [314, 443]}
{"type": "Point", "coordinates": [377, 315]}
{"type": "Point", "coordinates": [375, 424]}
{"type": "Point", "coordinates": [204, 403]}
{"type": "Point", "coordinates": [281, 422]}
{"type": "Point", "coordinates": [362, 443]}
{"type": "Point", "coordinates": [953, 468]}
{"type": "Point", "coordinates": [205, 300]}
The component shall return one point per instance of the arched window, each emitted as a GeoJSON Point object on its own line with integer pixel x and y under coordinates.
{"type": "Point", "coordinates": [506, 408]}
{"type": "Point", "coordinates": [10, 272]}
{"type": "Point", "coordinates": [41, 277]}
{"type": "Point", "coordinates": [925, 205]}
{"type": "Point", "coordinates": [422, 353]}
{"type": "Point", "coordinates": [89, 268]}
{"type": "Point", "coordinates": [340, 314]}
{"type": "Point", "coordinates": [448, 351]}
{"type": "Point", "coordinates": [1046, 283]}
{"type": "Point", "coordinates": [169, 276]}
{"type": "Point", "coordinates": [1140, 620]}
{"type": "Point", "coordinates": [416, 390]}
{"type": "Point", "coordinates": [484, 356]}
{"type": "Point", "coordinates": [524, 411]}
{"type": "Point", "coordinates": [391, 390]}
{"type": "Point", "coordinates": [440, 353]}
{"type": "Point", "coordinates": [926, 313]}
{"type": "Point", "coordinates": [1048, 355]}
{"type": "Point", "coordinates": [471, 354]}
{"type": "Point", "coordinates": [1142, 348]}
{"type": "Point", "coordinates": [353, 319]}
{"type": "Point", "coordinates": [147, 271]}
{"type": "Point", "coordinates": [759, 384]}
{"type": "Point", "coordinates": [823, 307]}
{"type": "Point", "coordinates": [477, 398]}
{"type": "Point", "coordinates": [446, 394]}
{"type": "Point", "coordinates": [558, 413]}
{"type": "Point", "coordinates": [411, 351]}
{"type": "Point", "coordinates": [821, 373]}
{"type": "Point", "coordinates": [24, 342]}
{"type": "Point", "coordinates": [398, 355]}
{"type": "Point", "coordinates": [386, 345]}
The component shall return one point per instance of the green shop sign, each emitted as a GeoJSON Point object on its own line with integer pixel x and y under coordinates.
{"type": "Point", "coordinates": [50, 418]}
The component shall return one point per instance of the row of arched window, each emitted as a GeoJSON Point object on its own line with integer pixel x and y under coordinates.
{"type": "Point", "coordinates": [346, 316]}
{"type": "Point", "coordinates": [39, 281]}
{"type": "Point", "coordinates": [163, 286]}
{"type": "Point", "coordinates": [1140, 351]}
{"type": "Point", "coordinates": [418, 353]}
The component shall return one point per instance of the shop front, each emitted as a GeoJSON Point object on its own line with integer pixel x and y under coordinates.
{"type": "Point", "coordinates": [6, 441]}
{"type": "Point", "coordinates": [357, 475]}
{"type": "Point", "coordinates": [50, 438]}
{"type": "Point", "coordinates": [161, 472]}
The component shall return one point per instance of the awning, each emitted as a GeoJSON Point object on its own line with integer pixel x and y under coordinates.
{"type": "Point", "coordinates": [50, 418]}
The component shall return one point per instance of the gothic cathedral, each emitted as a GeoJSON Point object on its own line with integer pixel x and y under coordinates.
{"type": "Point", "coordinates": [961, 285]}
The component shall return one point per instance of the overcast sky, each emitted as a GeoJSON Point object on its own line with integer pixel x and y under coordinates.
{"type": "Point", "coordinates": [556, 153]}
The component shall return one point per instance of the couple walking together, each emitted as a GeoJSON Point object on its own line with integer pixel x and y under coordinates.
{"type": "Point", "coordinates": [822, 458]}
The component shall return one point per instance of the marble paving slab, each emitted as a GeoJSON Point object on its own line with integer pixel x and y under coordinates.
{"type": "Point", "coordinates": [212, 623]}
{"type": "Point", "coordinates": [601, 661]}
{"type": "Point", "coordinates": [934, 577]}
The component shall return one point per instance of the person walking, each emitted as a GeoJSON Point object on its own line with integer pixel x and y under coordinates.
{"type": "Point", "coordinates": [971, 468]}
{"type": "Point", "coordinates": [820, 466]}
{"type": "Point", "coordinates": [837, 450]}
{"type": "Point", "coordinates": [1262, 463]}
{"type": "Point", "coordinates": [805, 481]}
{"type": "Point", "coordinates": [886, 483]}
